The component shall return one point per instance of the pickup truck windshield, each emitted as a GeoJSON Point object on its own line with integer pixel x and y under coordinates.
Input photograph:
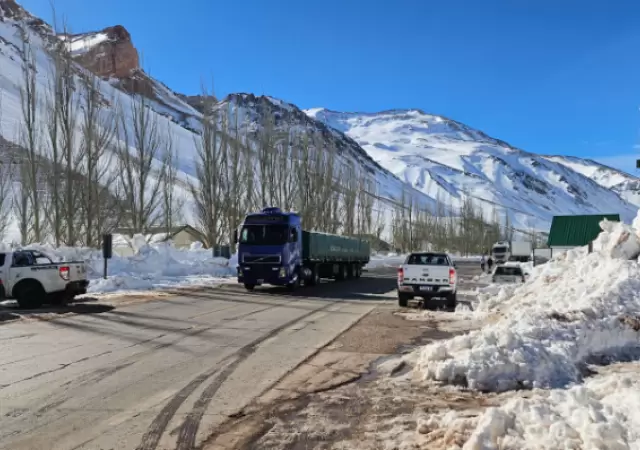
{"type": "Point", "coordinates": [502, 270]}
{"type": "Point", "coordinates": [264, 234]}
{"type": "Point", "coordinates": [428, 259]}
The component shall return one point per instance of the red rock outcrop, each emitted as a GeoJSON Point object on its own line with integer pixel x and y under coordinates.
{"type": "Point", "coordinates": [112, 56]}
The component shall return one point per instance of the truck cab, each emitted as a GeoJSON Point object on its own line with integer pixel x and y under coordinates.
{"type": "Point", "coordinates": [501, 252]}
{"type": "Point", "coordinates": [270, 249]}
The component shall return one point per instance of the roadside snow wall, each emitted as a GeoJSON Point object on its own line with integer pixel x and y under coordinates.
{"type": "Point", "coordinates": [576, 309]}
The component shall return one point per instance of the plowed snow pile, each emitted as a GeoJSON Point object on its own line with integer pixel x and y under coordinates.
{"type": "Point", "coordinates": [152, 266]}
{"type": "Point", "coordinates": [578, 309]}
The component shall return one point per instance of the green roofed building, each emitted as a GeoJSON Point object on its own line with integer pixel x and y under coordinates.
{"type": "Point", "coordinates": [568, 232]}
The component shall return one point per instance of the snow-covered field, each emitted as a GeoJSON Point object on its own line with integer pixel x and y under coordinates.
{"type": "Point", "coordinates": [153, 266]}
{"type": "Point", "coordinates": [555, 351]}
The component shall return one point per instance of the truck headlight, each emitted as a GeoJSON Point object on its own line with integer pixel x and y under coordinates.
{"type": "Point", "coordinates": [283, 272]}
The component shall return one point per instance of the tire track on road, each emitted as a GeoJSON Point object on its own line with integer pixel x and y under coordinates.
{"type": "Point", "coordinates": [189, 428]}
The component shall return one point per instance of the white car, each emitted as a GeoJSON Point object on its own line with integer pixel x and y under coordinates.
{"type": "Point", "coordinates": [32, 278]}
{"type": "Point", "coordinates": [509, 273]}
{"type": "Point", "coordinates": [427, 275]}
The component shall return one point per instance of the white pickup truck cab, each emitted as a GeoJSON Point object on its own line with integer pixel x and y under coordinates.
{"type": "Point", "coordinates": [32, 278]}
{"type": "Point", "coordinates": [428, 275]}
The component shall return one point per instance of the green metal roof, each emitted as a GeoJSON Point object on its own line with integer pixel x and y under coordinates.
{"type": "Point", "coordinates": [575, 231]}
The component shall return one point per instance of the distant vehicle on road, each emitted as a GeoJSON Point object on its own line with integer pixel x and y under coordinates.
{"type": "Point", "coordinates": [32, 278]}
{"type": "Point", "coordinates": [509, 273]}
{"type": "Point", "coordinates": [428, 275]}
{"type": "Point", "coordinates": [274, 249]}
{"type": "Point", "coordinates": [504, 251]}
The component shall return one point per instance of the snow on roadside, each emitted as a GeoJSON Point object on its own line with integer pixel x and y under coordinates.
{"type": "Point", "coordinates": [578, 309]}
{"type": "Point", "coordinates": [153, 266]}
{"type": "Point", "coordinates": [570, 312]}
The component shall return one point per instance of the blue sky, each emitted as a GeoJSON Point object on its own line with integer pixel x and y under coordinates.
{"type": "Point", "coordinates": [559, 77]}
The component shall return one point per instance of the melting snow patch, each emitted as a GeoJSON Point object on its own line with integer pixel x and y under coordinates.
{"type": "Point", "coordinates": [574, 310]}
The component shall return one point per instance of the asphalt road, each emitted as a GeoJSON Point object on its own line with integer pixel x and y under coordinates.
{"type": "Point", "coordinates": [164, 374]}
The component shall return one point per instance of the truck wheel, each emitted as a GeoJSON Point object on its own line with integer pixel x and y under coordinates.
{"type": "Point", "coordinates": [30, 295]}
{"type": "Point", "coordinates": [403, 299]}
{"type": "Point", "coordinates": [358, 271]}
{"type": "Point", "coordinates": [249, 287]}
{"type": "Point", "coordinates": [293, 285]}
{"type": "Point", "coordinates": [452, 300]}
{"type": "Point", "coordinates": [315, 277]}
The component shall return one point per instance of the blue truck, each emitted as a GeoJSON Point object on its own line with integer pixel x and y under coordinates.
{"type": "Point", "coordinates": [274, 249]}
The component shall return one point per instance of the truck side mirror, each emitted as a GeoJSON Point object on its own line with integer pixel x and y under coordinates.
{"type": "Point", "coordinates": [294, 235]}
{"type": "Point", "coordinates": [235, 236]}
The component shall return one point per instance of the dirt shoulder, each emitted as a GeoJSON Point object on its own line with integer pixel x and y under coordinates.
{"type": "Point", "coordinates": [332, 397]}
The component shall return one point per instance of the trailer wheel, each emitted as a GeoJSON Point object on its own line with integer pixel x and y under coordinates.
{"type": "Point", "coordinates": [249, 287]}
{"type": "Point", "coordinates": [342, 272]}
{"type": "Point", "coordinates": [358, 271]}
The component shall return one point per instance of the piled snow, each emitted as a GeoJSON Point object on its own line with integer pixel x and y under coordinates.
{"type": "Point", "coordinates": [576, 309]}
{"type": "Point", "coordinates": [600, 414]}
{"type": "Point", "coordinates": [153, 266]}
{"type": "Point", "coordinates": [380, 260]}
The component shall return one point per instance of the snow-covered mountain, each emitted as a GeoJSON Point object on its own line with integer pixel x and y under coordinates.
{"type": "Point", "coordinates": [626, 185]}
{"type": "Point", "coordinates": [448, 160]}
{"type": "Point", "coordinates": [432, 158]}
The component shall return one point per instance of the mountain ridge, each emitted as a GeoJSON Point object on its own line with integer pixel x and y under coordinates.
{"type": "Point", "coordinates": [430, 175]}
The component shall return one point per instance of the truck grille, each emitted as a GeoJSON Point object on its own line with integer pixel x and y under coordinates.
{"type": "Point", "coordinates": [261, 259]}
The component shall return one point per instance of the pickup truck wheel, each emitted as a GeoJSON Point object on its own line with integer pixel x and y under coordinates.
{"type": "Point", "coordinates": [249, 287]}
{"type": "Point", "coordinates": [452, 300]}
{"type": "Point", "coordinates": [403, 299]}
{"type": "Point", "coordinates": [60, 298]}
{"type": "Point", "coordinates": [30, 295]}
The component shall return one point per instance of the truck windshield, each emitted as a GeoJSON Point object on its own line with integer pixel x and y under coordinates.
{"type": "Point", "coordinates": [500, 249]}
{"type": "Point", "coordinates": [264, 234]}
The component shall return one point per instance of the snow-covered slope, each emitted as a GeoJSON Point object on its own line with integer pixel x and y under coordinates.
{"type": "Point", "coordinates": [448, 160]}
{"type": "Point", "coordinates": [626, 185]}
{"type": "Point", "coordinates": [175, 116]}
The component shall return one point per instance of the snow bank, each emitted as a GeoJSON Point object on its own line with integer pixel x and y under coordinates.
{"type": "Point", "coordinates": [577, 308]}
{"type": "Point", "coordinates": [380, 260]}
{"type": "Point", "coordinates": [152, 266]}
{"type": "Point", "coordinates": [601, 414]}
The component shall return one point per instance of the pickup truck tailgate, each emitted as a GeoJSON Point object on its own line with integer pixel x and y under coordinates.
{"type": "Point", "coordinates": [77, 270]}
{"type": "Point", "coordinates": [423, 274]}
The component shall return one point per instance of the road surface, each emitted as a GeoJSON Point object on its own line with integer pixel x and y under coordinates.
{"type": "Point", "coordinates": [163, 374]}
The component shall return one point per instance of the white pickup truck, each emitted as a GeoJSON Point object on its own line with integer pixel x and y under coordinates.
{"type": "Point", "coordinates": [32, 278]}
{"type": "Point", "coordinates": [428, 275]}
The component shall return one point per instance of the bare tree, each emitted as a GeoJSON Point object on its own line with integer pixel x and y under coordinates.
{"type": "Point", "coordinates": [100, 207]}
{"type": "Point", "coordinates": [140, 166]}
{"type": "Point", "coordinates": [208, 190]}
{"type": "Point", "coordinates": [30, 206]}
{"type": "Point", "coordinates": [172, 204]}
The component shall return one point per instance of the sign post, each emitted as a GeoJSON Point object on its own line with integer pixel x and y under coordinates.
{"type": "Point", "coordinates": [107, 250]}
